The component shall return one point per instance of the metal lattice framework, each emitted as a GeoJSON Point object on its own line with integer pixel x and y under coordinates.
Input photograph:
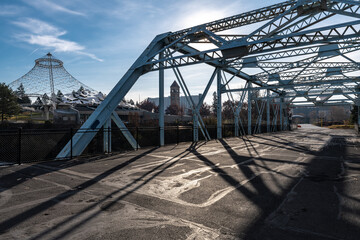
{"type": "Point", "coordinates": [295, 53]}
{"type": "Point", "coordinates": [47, 77]}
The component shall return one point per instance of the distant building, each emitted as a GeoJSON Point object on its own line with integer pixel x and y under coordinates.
{"type": "Point", "coordinates": [324, 113]}
{"type": "Point", "coordinates": [125, 112]}
{"type": "Point", "coordinates": [65, 114]}
{"type": "Point", "coordinates": [175, 98]}
{"type": "Point", "coordinates": [175, 94]}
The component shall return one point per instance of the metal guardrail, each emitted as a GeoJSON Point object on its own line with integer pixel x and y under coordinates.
{"type": "Point", "coordinates": [33, 145]}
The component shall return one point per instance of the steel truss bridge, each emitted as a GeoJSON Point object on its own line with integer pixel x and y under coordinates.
{"type": "Point", "coordinates": [297, 53]}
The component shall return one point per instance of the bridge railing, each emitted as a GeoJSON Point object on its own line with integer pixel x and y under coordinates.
{"type": "Point", "coordinates": [33, 145]}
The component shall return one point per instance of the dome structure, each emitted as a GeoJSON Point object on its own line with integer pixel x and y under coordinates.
{"type": "Point", "coordinates": [48, 76]}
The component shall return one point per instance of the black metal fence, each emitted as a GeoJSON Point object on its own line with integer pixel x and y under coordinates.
{"type": "Point", "coordinates": [32, 145]}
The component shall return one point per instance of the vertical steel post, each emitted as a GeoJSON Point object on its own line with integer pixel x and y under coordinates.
{"type": "Point", "coordinates": [19, 146]}
{"type": "Point", "coordinates": [218, 107]}
{"type": "Point", "coordinates": [249, 108]}
{"type": "Point", "coordinates": [161, 101]}
{"type": "Point", "coordinates": [359, 117]}
{"type": "Point", "coordinates": [196, 127]}
{"type": "Point", "coordinates": [71, 142]}
{"type": "Point", "coordinates": [259, 121]}
{"type": "Point", "coordinates": [268, 111]}
{"type": "Point", "coordinates": [192, 129]}
{"type": "Point", "coordinates": [106, 136]}
{"type": "Point", "coordinates": [236, 119]}
{"type": "Point", "coordinates": [109, 138]}
{"type": "Point", "coordinates": [177, 134]}
{"type": "Point", "coordinates": [124, 130]}
{"type": "Point", "coordinates": [137, 138]}
{"type": "Point", "coordinates": [281, 114]}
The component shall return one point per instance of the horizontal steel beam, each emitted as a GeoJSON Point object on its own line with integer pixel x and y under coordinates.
{"type": "Point", "coordinates": [291, 65]}
{"type": "Point", "coordinates": [324, 105]}
{"type": "Point", "coordinates": [239, 20]}
{"type": "Point", "coordinates": [293, 85]}
{"type": "Point", "coordinates": [309, 95]}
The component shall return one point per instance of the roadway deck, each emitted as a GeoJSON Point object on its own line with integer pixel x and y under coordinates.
{"type": "Point", "coordinates": [303, 184]}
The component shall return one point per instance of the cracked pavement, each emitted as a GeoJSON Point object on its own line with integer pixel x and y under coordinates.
{"type": "Point", "coordinates": [302, 184]}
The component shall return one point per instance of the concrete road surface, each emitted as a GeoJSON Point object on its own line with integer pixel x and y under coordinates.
{"type": "Point", "coordinates": [303, 184]}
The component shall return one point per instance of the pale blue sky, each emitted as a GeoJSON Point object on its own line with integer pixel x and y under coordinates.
{"type": "Point", "coordinates": [99, 40]}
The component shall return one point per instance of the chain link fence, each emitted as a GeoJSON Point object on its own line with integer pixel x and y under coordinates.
{"type": "Point", "coordinates": [33, 145]}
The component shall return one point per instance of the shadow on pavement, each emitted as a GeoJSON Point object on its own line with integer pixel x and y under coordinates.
{"type": "Point", "coordinates": [9, 223]}
{"type": "Point", "coordinates": [81, 216]}
{"type": "Point", "coordinates": [314, 206]}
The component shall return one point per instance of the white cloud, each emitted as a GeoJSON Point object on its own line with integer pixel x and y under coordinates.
{"type": "Point", "coordinates": [8, 10]}
{"type": "Point", "coordinates": [46, 5]}
{"type": "Point", "coordinates": [46, 35]}
{"type": "Point", "coordinates": [59, 45]}
{"type": "Point", "coordinates": [39, 27]}
{"type": "Point", "coordinates": [93, 56]}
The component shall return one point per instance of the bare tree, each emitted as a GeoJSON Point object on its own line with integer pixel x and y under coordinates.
{"type": "Point", "coordinates": [338, 114]}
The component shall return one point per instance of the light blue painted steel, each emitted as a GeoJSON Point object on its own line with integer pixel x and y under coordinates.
{"type": "Point", "coordinates": [237, 113]}
{"type": "Point", "coordinates": [289, 65]}
{"type": "Point", "coordinates": [203, 129]}
{"type": "Point", "coordinates": [127, 134]}
{"type": "Point", "coordinates": [191, 102]}
{"type": "Point", "coordinates": [285, 29]}
{"type": "Point", "coordinates": [305, 21]}
{"type": "Point", "coordinates": [103, 112]}
{"type": "Point", "coordinates": [195, 128]}
{"type": "Point", "coordinates": [324, 105]}
{"type": "Point", "coordinates": [243, 19]}
{"type": "Point", "coordinates": [268, 111]}
{"type": "Point", "coordinates": [107, 136]}
{"type": "Point", "coordinates": [270, 28]}
{"type": "Point", "coordinates": [343, 47]}
{"type": "Point", "coordinates": [331, 50]}
{"type": "Point", "coordinates": [297, 39]}
{"type": "Point", "coordinates": [322, 51]}
{"type": "Point", "coordinates": [337, 80]}
{"type": "Point", "coordinates": [260, 111]}
{"type": "Point", "coordinates": [307, 39]}
{"type": "Point", "coordinates": [321, 103]}
{"type": "Point", "coordinates": [249, 108]}
{"type": "Point", "coordinates": [281, 114]}
{"type": "Point", "coordinates": [219, 106]}
{"type": "Point", "coordinates": [203, 96]}
{"type": "Point", "coordinates": [236, 122]}
{"type": "Point", "coordinates": [358, 115]}
{"type": "Point", "coordinates": [161, 103]}
{"type": "Point", "coordinates": [235, 108]}
{"type": "Point", "coordinates": [215, 63]}
{"type": "Point", "coordinates": [355, 3]}
{"type": "Point", "coordinates": [201, 101]}
{"type": "Point", "coordinates": [275, 119]}
{"type": "Point", "coordinates": [317, 94]}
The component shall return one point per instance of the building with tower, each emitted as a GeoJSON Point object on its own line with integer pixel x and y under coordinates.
{"type": "Point", "coordinates": [175, 94]}
{"type": "Point", "coordinates": [176, 99]}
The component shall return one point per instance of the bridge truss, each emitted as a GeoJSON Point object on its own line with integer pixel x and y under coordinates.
{"type": "Point", "coordinates": [296, 53]}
